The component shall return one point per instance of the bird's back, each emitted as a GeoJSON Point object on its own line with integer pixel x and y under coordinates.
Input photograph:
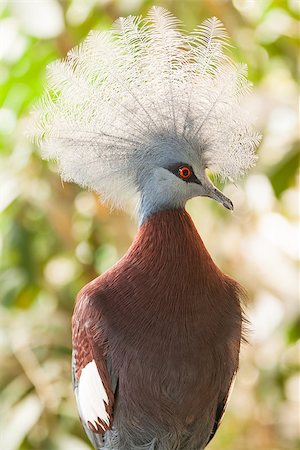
{"type": "Point", "coordinates": [170, 325]}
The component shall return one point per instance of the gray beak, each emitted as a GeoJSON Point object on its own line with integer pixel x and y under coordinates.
{"type": "Point", "coordinates": [213, 192]}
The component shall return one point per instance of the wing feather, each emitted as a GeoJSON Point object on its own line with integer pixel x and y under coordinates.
{"type": "Point", "coordinates": [94, 384]}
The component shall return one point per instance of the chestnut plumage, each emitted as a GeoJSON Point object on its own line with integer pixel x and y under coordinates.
{"type": "Point", "coordinates": [163, 327]}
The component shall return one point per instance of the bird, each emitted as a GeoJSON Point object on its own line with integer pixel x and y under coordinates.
{"type": "Point", "coordinates": [143, 114]}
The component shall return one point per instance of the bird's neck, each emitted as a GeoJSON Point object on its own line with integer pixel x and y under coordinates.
{"type": "Point", "coordinates": [153, 202]}
{"type": "Point", "coordinates": [174, 276]}
{"type": "Point", "coordinates": [170, 238]}
{"type": "Point", "coordinates": [166, 275]}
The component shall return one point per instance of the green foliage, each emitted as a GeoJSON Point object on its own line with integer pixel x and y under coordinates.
{"type": "Point", "coordinates": [55, 238]}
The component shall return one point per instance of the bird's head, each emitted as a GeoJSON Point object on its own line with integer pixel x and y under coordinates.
{"type": "Point", "coordinates": [172, 175]}
{"type": "Point", "coordinates": [143, 110]}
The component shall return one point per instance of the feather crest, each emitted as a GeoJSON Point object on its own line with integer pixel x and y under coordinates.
{"type": "Point", "coordinates": [121, 93]}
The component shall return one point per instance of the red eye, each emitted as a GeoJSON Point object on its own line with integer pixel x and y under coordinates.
{"type": "Point", "coordinates": [185, 172]}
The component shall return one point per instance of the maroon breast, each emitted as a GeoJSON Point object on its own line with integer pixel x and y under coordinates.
{"type": "Point", "coordinates": [170, 322]}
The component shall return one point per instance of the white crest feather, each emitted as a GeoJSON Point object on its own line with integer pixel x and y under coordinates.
{"type": "Point", "coordinates": [120, 92]}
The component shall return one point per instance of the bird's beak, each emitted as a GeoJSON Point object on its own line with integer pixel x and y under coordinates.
{"type": "Point", "coordinates": [212, 192]}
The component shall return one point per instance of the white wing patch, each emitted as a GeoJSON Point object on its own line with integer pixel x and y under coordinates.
{"type": "Point", "coordinates": [92, 398]}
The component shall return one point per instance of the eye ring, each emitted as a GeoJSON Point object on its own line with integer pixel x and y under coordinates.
{"type": "Point", "coordinates": [184, 172]}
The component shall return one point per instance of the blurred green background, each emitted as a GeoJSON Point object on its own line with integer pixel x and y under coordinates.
{"type": "Point", "coordinates": [55, 237]}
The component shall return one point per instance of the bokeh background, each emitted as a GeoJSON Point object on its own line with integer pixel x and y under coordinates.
{"type": "Point", "coordinates": [55, 237]}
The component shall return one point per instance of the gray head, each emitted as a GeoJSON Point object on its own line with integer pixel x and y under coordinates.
{"type": "Point", "coordinates": [172, 177]}
{"type": "Point", "coordinates": [143, 110]}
